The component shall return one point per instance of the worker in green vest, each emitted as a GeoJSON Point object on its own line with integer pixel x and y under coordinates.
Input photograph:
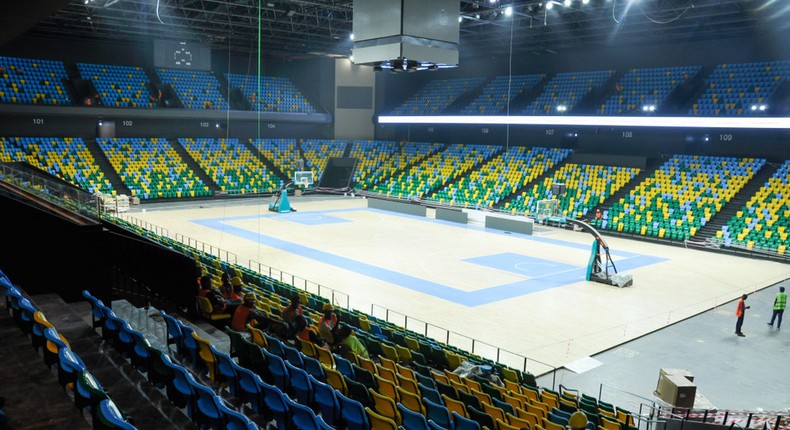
{"type": "Point", "coordinates": [780, 303]}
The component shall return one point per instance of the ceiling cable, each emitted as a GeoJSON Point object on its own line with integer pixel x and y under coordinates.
{"type": "Point", "coordinates": [157, 12]}
{"type": "Point", "coordinates": [677, 17]}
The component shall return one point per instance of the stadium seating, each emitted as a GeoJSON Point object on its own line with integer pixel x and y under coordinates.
{"type": "Point", "coordinates": [437, 95]}
{"type": "Point", "coordinates": [680, 197]}
{"type": "Point", "coordinates": [371, 154]}
{"type": "Point", "coordinates": [741, 89]}
{"type": "Point", "coordinates": [282, 153]}
{"type": "Point", "coordinates": [231, 165]}
{"type": "Point", "coordinates": [762, 223]}
{"type": "Point", "coordinates": [587, 186]}
{"type": "Point", "coordinates": [271, 93]}
{"type": "Point", "coordinates": [32, 81]}
{"type": "Point", "coordinates": [317, 151]}
{"type": "Point", "coordinates": [644, 90]}
{"type": "Point", "coordinates": [410, 152]}
{"type": "Point", "coordinates": [67, 158]}
{"type": "Point", "coordinates": [152, 168]}
{"type": "Point", "coordinates": [119, 86]}
{"type": "Point", "coordinates": [495, 96]}
{"type": "Point", "coordinates": [565, 90]}
{"type": "Point", "coordinates": [500, 177]}
{"type": "Point", "coordinates": [436, 171]}
{"type": "Point", "coordinates": [196, 89]}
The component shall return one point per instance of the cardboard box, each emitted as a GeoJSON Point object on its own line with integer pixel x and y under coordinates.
{"type": "Point", "coordinates": [675, 387]}
{"type": "Point", "coordinates": [682, 372]}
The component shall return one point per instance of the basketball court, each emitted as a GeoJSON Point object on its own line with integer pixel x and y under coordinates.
{"type": "Point", "coordinates": [523, 294]}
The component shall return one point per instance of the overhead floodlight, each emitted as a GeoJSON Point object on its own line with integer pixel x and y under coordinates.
{"type": "Point", "coordinates": [460, 18]}
{"type": "Point", "coordinates": [509, 11]}
{"type": "Point", "coordinates": [549, 5]}
{"type": "Point", "coordinates": [562, 108]}
{"type": "Point", "coordinates": [567, 3]}
{"type": "Point", "coordinates": [585, 1]}
{"type": "Point", "coordinates": [351, 36]}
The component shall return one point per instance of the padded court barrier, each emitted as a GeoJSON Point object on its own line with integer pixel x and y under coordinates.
{"type": "Point", "coordinates": [404, 208]}
{"type": "Point", "coordinates": [452, 215]}
{"type": "Point", "coordinates": [516, 226]}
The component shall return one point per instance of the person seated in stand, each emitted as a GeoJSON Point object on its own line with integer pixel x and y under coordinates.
{"type": "Point", "coordinates": [307, 332]}
{"type": "Point", "coordinates": [218, 303]}
{"type": "Point", "coordinates": [328, 324]}
{"type": "Point", "coordinates": [233, 291]}
{"type": "Point", "coordinates": [246, 313]}
{"type": "Point", "coordinates": [347, 343]}
{"type": "Point", "coordinates": [290, 312]}
{"type": "Point", "coordinates": [200, 272]}
{"type": "Point", "coordinates": [227, 289]}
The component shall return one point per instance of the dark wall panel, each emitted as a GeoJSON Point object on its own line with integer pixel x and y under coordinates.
{"type": "Point", "coordinates": [354, 97]}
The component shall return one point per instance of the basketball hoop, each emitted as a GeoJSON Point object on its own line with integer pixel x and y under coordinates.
{"type": "Point", "coordinates": [303, 178]}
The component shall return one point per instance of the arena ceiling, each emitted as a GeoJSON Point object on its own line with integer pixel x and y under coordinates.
{"type": "Point", "coordinates": [293, 29]}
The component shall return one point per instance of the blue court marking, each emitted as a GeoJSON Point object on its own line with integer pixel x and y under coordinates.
{"type": "Point", "coordinates": [311, 218]}
{"type": "Point", "coordinates": [467, 298]}
{"type": "Point", "coordinates": [521, 264]}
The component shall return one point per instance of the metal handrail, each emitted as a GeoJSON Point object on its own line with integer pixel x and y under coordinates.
{"type": "Point", "coordinates": [474, 346]}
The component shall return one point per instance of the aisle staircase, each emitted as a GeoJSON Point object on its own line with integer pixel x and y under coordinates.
{"type": "Point", "coordinates": [737, 203]}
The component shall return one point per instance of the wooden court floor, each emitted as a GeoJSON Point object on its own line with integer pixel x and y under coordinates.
{"type": "Point", "coordinates": [525, 295]}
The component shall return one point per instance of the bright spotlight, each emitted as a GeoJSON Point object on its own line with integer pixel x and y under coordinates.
{"type": "Point", "coordinates": [509, 11]}
{"type": "Point", "coordinates": [585, 1]}
{"type": "Point", "coordinates": [567, 3]}
{"type": "Point", "coordinates": [562, 108]}
{"type": "Point", "coordinates": [351, 36]}
{"type": "Point", "coordinates": [763, 107]}
{"type": "Point", "coordinates": [549, 5]}
{"type": "Point", "coordinates": [460, 18]}
{"type": "Point", "coordinates": [754, 107]}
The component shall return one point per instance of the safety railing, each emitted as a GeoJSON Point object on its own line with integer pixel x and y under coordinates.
{"type": "Point", "coordinates": [466, 343]}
